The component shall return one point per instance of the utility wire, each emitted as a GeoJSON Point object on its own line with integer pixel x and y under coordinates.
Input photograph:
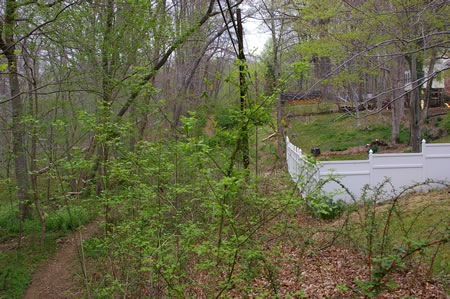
{"type": "Point", "coordinates": [226, 24]}
{"type": "Point", "coordinates": [232, 17]}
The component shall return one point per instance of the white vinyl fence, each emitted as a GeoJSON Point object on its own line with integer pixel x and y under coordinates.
{"type": "Point", "coordinates": [402, 169]}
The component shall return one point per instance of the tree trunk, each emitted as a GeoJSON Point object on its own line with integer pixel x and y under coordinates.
{"type": "Point", "coordinates": [414, 107]}
{"type": "Point", "coordinates": [243, 90]}
{"type": "Point", "coordinates": [18, 133]}
{"type": "Point", "coordinates": [398, 104]}
{"type": "Point", "coordinates": [7, 44]}
{"type": "Point", "coordinates": [276, 74]}
{"type": "Point", "coordinates": [106, 112]}
{"type": "Point", "coordinates": [427, 97]}
{"type": "Point", "coordinates": [34, 107]}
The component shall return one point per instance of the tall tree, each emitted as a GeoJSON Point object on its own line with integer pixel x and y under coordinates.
{"type": "Point", "coordinates": [404, 29]}
{"type": "Point", "coordinates": [14, 28]}
{"type": "Point", "coordinates": [271, 14]}
{"type": "Point", "coordinates": [8, 44]}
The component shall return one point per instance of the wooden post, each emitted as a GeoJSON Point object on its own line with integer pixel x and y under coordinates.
{"type": "Point", "coordinates": [242, 89]}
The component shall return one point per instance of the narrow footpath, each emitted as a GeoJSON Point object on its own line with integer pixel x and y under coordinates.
{"type": "Point", "coordinates": [58, 277]}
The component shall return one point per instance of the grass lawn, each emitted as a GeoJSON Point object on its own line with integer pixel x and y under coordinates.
{"type": "Point", "coordinates": [310, 108]}
{"type": "Point", "coordinates": [445, 139]}
{"type": "Point", "coordinates": [336, 132]}
{"type": "Point", "coordinates": [426, 216]}
{"type": "Point", "coordinates": [333, 132]}
{"type": "Point", "coordinates": [360, 156]}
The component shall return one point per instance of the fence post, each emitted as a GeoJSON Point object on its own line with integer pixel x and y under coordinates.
{"type": "Point", "coordinates": [287, 154]}
{"type": "Point", "coordinates": [424, 160]}
{"type": "Point", "coordinates": [371, 178]}
{"type": "Point", "coordinates": [287, 148]}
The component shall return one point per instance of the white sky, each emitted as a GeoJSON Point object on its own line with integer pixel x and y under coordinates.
{"type": "Point", "coordinates": [255, 36]}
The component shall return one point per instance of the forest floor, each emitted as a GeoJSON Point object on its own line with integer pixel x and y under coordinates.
{"type": "Point", "coordinates": [328, 268]}
{"type": "Point", "coordinates": [321, 270]}
{"type": "Point", "coordinates": [57, 278]}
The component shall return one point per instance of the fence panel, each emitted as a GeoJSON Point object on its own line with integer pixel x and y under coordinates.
{"type": "Point", "coordinates": [303, 173]}
{"type": "Point", "coordinates": [437, 161]}
{"type": "Point", "coordinates": [402, 169]}
{"type": "Point", "coordinates": [352, 174]}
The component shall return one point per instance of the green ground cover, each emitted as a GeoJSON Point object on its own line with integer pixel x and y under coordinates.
{"type": "Point", "coordinates": [17, 265]}
{"type": "Point", "coordinates": [311, 108]}
{"type": "Point", "coordinates": [360, 156]}
{"type": "Point", "coordinates": [333, 132]}
{"type": "Point", "coordinates": [336, 132]}
{"type": "Point", "coordinates": [445, 139]}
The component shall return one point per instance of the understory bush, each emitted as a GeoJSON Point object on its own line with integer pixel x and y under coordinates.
{"type": "Point", "coordinates": [181, 227]}
{"type": "Point", "coordinates": [326, 208]}
{"type": "Point", "coordinates": [318, 202]}
{"type": "Point", "coordinates": [67, 219]}
{"type": "Point", "coordinates": [62, 220]}
{"type": "Point", "coordinates": [395, 233]}
{"type": "Point", "coordinates": [226, 117]}
{"type": "Point", "coordinates": [183, 215]}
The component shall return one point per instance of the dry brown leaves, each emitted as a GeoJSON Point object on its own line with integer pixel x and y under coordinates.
{"type": "Point", "coordinates": [331, 274]}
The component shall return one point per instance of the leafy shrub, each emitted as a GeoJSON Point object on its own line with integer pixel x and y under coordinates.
{"type": "Point", "coordinates": [325, 207]}
{"type": "Point", "coordinates": [185, 208]}
{"type": "Point", "coordinates": [14, 277]}
{"type": "Point", "coordinates": [94, 248]}
{"type": "Point", "coordinates": [68, 219]}
{"type": "Point", "coordinates": [59, 221]}
{"type": "Point", "coordinates": [374, 148]}
{"type": "Point", "coordinates": [8, 222]}
{"type": "Point", "coordinates": [226, 117]}
{"type": "Point", "coordinates": [10, 225]}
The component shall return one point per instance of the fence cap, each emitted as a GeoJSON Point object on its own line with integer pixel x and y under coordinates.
{"type": "Point", "coordinates": [424, 141]}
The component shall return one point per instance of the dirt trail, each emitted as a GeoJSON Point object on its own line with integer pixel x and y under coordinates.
{"type": "Point", "coordinates": [55, 279]}
{"type": "Point", "coordinates": [209, 127]}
